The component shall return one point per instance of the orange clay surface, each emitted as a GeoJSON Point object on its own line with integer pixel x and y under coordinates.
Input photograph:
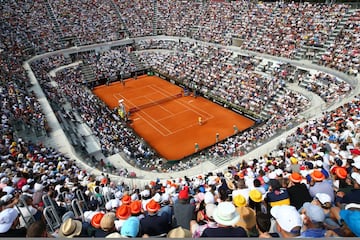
{"type": "Point", "coordinates": [172, 128]}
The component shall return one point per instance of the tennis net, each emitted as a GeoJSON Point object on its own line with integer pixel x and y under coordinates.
{"type": "Point", "coordinates": [157, 102]}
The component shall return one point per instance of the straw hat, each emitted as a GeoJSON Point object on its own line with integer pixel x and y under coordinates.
{"type": "Point", "coordinates": [247, 217]}
{"type": "Point", "coordinates": [179, 232]}
{"type": "Point", "coordinates": [70, 228]}
{"type": "Point", "coordinates": [107, 222]}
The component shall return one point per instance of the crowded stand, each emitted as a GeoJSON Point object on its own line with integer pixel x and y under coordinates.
{"type": "Point", "coordinates": [343, 53]}
{"type": "Point", "coordinates": [138, 16]}
{"type": "Point", "coordinates": [28, 23]}
{"type": "Point", "coordinates": [328, 87]}
{"type": "Point", "coordinates": [313, 175]}
{"type": "Point", "coordinates": [89, 22]}
{"type": "Point", "coordinates": [307, 186]}
{"type": "Point", "coordinates": [209, 70]}
{"type": "Point", "coordinates": [110, 64]}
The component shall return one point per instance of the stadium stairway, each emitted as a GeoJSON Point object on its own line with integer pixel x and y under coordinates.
{"type": "Point", "coordinates": [314, 53]}
{"type": "Point", "coordinates": [54, 21]}
{"type": "Point", "coordinates": [135, 60]}
{"type": "Point", "coordinates": [154, 20]}
{"type": "Point", "coordinates": [116, 7]}
{"type": "Point", "coordinates": [334, 34]}
{"type": "Point", "coordinates": [88, 73]}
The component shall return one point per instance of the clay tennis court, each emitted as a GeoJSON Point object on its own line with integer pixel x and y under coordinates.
{"type": "Point", "coordinates": [171, 127]}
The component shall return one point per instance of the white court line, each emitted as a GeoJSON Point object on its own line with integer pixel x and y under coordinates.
{"type": "Point", "coordinates": [171, 115]}
{"type": "Point", "coordinates": [188, 108]}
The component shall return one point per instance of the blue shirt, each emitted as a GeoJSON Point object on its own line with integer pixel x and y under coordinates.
{"type": "Point", "coordinates": [313, 233]}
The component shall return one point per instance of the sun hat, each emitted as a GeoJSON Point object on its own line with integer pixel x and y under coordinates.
{"type": "Point", "coordinates": [152, 206]}
{"type": "Point", "coordinates": [293, 160]}
{"type": "Point", "coordinates": [123, 212]}
{"type": "Point", "coordinates": [165, 198]}
{"type": "Point", "coordinates": [247, 217]}
{"type": "Point", "coordinates": [7, 218]}
{"type": "Point", "coordinates": [95, 220]}
{"type": "Point", "coordinates": [225, 213]}
{"type": "Point", "coordinates": [314, 212]}
{"type": "Point", "coordinates": [135, 207]}
{"type": "Point", "coordinates": [70, 228]}
{"type": "Point", "coordinates": [356, 177]}
{"type": "Point", "coordinates": [323, 198]}
{"type": "Point", "coordinates": [255, 195]}
{"type": "Point", "coordinates": [6, 198]}
{"type": "Point", "coordinates": [145, 193]}
{"type": "Point", "coordinates": [199, 197]}
{"type": "Point", "coordinates": [209, 209]}
{"type": "Point", "coordinates": [356, 164]}
{"type": "Point", "coordinates": [67, 215]}
{"type": "Point", "coordinates": [114, 235]}
{"type": "Point", "coordinates": [287, 217]}
{"type": "Point", "coordinates": [130, 227]}
{"type": "Point", "coordinates": [352, 219]}
{"type": "Point", "coordinates": [239, 200]}
{"type": "Point", "coordinates": [25, 188]}
{"type": "Point", "coordinates": [107, 221]}
{"type": "Point", "coordinates": [38, 187]}
{"type": "Point", "coordinates": [295, 177]}
{"type": "Point", "coordinates": [209, 198]}
{"type": "Point", "coordinates": [179, 232]}
{"type": "Point", "coordinates": [352, 205]}
{"type": "Point", "coordinates": [341, 172]}
{"type": "Point", "coordinates": [317, 175]}
{"type": "Point", "coordinates": [8, 189]}
{"type": "Point", "coordinates": [230, 184]}
{"type": "Point", "coordinates": [228, 176]}
{"type": "Point", "coordinates": [157, 197]}
{"type": "Point", "coordinates": [126, 199]}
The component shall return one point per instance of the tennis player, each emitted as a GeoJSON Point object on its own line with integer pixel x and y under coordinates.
{"type": "Point", "coordinates": [200, 121]}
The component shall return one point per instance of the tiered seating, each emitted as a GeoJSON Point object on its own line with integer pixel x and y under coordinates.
{"type": "Point", "coordinates": [91, 22]}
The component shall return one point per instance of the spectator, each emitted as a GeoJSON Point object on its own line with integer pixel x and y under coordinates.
{"type": "Point", "coordinates": [209, 222]}
{"type": "Point", "coordinates": [263, 224]}
{"type": "Point", "coordinates": [70, 228]}
{"type": "Point", "coordinates": [318, 185]}
{"type": "Point", "coordinates": [131, 228]}
{"type": "Point", "coordinates": [184, 211]}
{"type": "Point", "coordinates": [37, 230]}
{"type": "Point", "coordinates": [276, 196]}
{"type": "Point", "coordinates": [298, 192]}
{"type": "Point", "coordinates": [226, 217]}
{"type": "Point", "coordinates": [313, 222]}
{"type": "Point", "coordinates": [287, 225]}
{"type": "Point", "coordinates": [354, 195]}
{"type": "Point", "coordinates": [153, 224]}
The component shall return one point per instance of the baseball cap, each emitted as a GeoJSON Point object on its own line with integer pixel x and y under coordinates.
{"type": "Point", "coordinates": [287, 217]}
{"type": "Point", "coordinates": [7, 217]}
{"type": "Point", "coordinates": [323, 198]}
{"type": "Point", "coordinates": [314, 212]}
